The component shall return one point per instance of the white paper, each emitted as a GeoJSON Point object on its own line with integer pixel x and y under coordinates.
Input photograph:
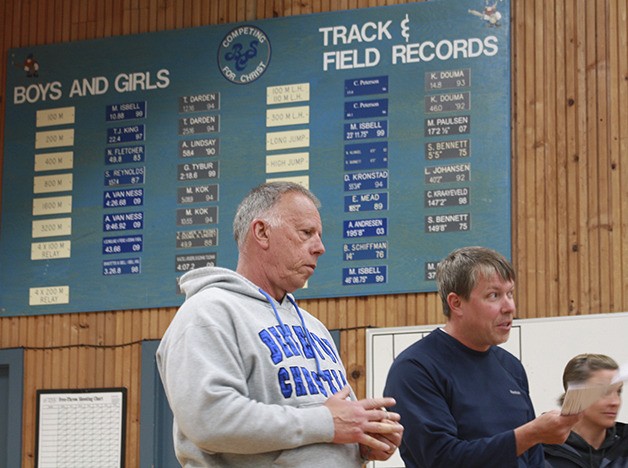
{"type": "Point", "coordinates": [580, 396]}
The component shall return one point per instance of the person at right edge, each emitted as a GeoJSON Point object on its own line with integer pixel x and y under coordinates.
{"type": "Point", "coordinates": [597, 440]}
{"type": "Point", "coordinates": [463, 400]}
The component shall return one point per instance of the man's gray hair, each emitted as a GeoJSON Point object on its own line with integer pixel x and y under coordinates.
{"type": "Point", "coordinates": [260, 203]}
{"type": "Point", "coordinates": [460, 271]}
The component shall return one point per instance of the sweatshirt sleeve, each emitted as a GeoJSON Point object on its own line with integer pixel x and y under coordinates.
{"type": "Point", "coordinates": [430, 437]}
{"type": "Point", "coordinates": [207, 392]}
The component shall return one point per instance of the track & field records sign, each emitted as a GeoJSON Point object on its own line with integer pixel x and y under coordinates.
{"type": "Point", "coordinates": [125, 158]}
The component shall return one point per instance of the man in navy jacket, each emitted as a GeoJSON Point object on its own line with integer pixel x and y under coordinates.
{"type": "Point", "coordinates": [463, 400]}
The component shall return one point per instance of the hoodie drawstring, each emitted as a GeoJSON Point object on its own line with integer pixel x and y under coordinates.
{"type": "Point", "coordinates": [309, 338]}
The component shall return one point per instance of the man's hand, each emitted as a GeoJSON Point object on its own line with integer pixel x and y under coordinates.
{"type": "Point", "coordinates": [365, 422]}
{"type": "Point", "coordinates": [393, 440]}
{"type": "Point", "coordinates": [548, 428]}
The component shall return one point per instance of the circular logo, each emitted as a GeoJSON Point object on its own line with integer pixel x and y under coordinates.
{"type": "Point", "coordinates": [244, 54]}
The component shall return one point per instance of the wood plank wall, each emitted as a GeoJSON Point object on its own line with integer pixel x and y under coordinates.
{"type": "Point", "coordinates": [570, 184]}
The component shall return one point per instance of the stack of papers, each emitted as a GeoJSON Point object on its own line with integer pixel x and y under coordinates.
{"type": "Point", "coordinates": [580, 396]}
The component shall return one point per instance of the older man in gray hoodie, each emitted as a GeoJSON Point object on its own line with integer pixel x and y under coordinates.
{"type": "Point", "coordinates": [252, 379]}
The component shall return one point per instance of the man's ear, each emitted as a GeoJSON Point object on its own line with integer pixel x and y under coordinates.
{"type": "Point", "coordinates": [261, 232]}
{"type": "Point", "coordinates": [454, 301]}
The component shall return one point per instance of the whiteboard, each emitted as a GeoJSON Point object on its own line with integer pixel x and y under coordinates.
{"type": "Point", "coordinates": [543, 345]}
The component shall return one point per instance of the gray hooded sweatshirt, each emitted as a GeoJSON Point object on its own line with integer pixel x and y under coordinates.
{"type": "Point", "coordinates": [246, 378]}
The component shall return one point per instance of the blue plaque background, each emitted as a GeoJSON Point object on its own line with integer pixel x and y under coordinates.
{"type": "Point", "coordinates": [297, 50]}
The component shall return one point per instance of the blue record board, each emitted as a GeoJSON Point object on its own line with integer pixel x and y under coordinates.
{"type": "Point", "coordinates": [125, 158]}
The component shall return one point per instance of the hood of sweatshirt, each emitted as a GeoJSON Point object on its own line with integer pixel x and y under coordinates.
{"type": "Point", "coordinates": [202, 279]}
{"type": "Point", "coordinates": [196, 280]}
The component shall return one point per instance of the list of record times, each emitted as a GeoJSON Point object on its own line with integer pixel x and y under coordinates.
{"type": "Point", "coordinates": [447, 175]}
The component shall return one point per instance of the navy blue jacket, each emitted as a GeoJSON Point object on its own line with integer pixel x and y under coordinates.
{"type": "Point", "coordinates": [459, 407]}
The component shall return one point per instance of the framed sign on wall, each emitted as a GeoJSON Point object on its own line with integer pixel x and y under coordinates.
{"type": "Point", "coordinates": [84, 427]}
{"type": "Point", "coordinates": [125, 158]}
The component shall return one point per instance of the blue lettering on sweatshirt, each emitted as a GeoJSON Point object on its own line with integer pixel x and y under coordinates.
{"type": "Point", "coordinates": [299, 381]}
{"type": "Point", "coordinates": [285, 340]}
{"type": "Point", "coordinates": [318, 344]}
{"type": "Point", "coordinates": [310, 382]}
{"type": "Point", "coordinates": [275, 352]}
{"type": "Point", "coordinates": [283, 344]}
{"type": "Point", "coordinates": [327, 347]}
{"type": "Point", "coordinates": [308, 352]}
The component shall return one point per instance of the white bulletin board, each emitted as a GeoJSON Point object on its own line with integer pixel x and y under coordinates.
{"type": "Point", "coordinates": [543, 345]}
{"type": "Point", "coordinates": [81, 428]}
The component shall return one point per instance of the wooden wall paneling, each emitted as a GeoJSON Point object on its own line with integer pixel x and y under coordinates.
{"type": "Point", "coordinates": [45, 339]}
{"type": "Point", "coordinates": [571, 151]}
{"type": "Point", "coordinates": [143, 16]}
{"type": "Point", "coordinates": [99, 18]}
{"type": "Point", "coordinates": [47, 24]}
{"type": "Point", "coordinates": [548, 144]}
{"type": "Point", "coordinates": [18, 28]}
{"type": "Point", "coordinates": [344, 305]}
{"type": "Point", "coordinates": [152, 15]}
{"type": "Point", "coordinates": [409, 316]}
{"type": "Point", "coordinates": [264, 9]}
{"type": "Point", "coordinates": [320, 6]}
{"type": "Point", "coordinates": [590, 220]}
{"type": "Point", "coordinates": [604, 159]}
{"type": "Point", "coordinates": [98, 351]}
{"type": "Point", "coordinates": [622, 150]}
{"type": "Point", "coordinates": [367, 316]}
{"type": "Point", "coordinates": [128, 18]}
{"type": "Point", "coordinates": [9, 331]}
{"type": "Point", "coordinates": [73, 350]}
{"type": "Point", "coordinates": [434, 308]}
{"type": "Point", "coordinates": [38, 23]}
{"type": "Point", "coordinates": [521, 158]}
{"type": "Point", "coordinates": [584, 285]}
{"type": "Point", "coordinates": [562, 202]}
{"type": "Point", "coordinates": [61, 352]}
{"type": "Point", "coordinates": [355, 315]}
{"type": "Point", "coordinates": [161, 11]}
{"type": "Point", "coordinates": [574, 158]}
{"type": "Point", "coordinates": [290, 7]}
{"type": "Point", "coordinates": [89, 11]}
{"type": "Point", "coordinates": [63, 22]}
{"type": "Point", "coordinates": [371, 311]}
{"type": "Point", "coordinates": [29, 17]}
{"type": "Point", "coordinates": [396, 306]}
{"type": "Point", "coordinates": [528, 163]}
{"type": "Point", "coordinates": [232, 11]}
{"type": "Point", "coordinates": [205, 15]}
{"type": "Point", "coordinates": [89, 354]}
{"type": "Point", "coordinates": [111, 353]}
{"type": "Point", "coordinates": [33, 336]}
{"type": "Point", "coordinates": [79, 25]}
{"type": "Point", "coordinates": [541, 166]}
{"type": "Point", "coordinates": [118, 359]}
{"type": "Point", "coordinates": [518, 124]}
{"type": "Point", "coordinates": [617, 20]}
{"type": "Point", "coordinates": [183, 14]}
{"type": "Point", "coordinates": [250, 10]}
